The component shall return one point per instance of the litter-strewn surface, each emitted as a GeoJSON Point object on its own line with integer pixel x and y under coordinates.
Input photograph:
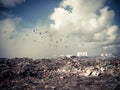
{"type": "Point", "coordinates": [60, 74]}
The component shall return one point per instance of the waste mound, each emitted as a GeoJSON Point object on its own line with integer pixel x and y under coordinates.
{"type": "Point", "coordinates": [61, 73]}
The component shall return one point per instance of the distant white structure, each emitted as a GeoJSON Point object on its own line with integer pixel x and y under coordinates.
{"type": "Point", "coordinates": [82, 54]}
{"type": "Point", "coordinates": [106, 54]}
{"type": "Point", "coordinates": [78, 54]}
{"type": "Point", "coordinates": [102, 55]}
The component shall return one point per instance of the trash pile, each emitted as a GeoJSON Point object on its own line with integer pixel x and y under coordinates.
{"type": "Point", "coordinates": [61, 73]}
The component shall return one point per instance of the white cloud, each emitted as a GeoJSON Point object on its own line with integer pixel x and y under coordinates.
{"type": "Point", "coordinates": [8, 26]}
{"type": "Point", "coordinates": [36, 42]}
{"type": "Point", "coordinates": [87, 20]}
{"type": "Point", "coordinates": [11, 3]}
{"type": "Point", "coordinates": [80, 25]}
{"type": "Point", "coordinates": [15, 43]}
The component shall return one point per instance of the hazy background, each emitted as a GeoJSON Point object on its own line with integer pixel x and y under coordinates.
{"type": "Point", "coordinates": [47, 28]}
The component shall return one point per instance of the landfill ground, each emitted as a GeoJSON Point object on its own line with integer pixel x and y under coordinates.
{"type": "Point", "coordinates": [61, 73]}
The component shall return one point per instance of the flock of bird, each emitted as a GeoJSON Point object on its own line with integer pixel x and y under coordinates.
{"type": "Point", "coordinates": [52, 40]}
{"type": "Point", "coordinates": [62, 40]}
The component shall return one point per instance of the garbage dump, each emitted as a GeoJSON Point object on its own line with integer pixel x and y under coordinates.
{"type": "Point", "coordinates": [61, 73]}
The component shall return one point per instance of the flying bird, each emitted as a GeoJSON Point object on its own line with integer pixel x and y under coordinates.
{"type": "Point", "coordinates": [66, 46]}
{"type": "Point", "coordinates": [27, 35]}
{"type": "Point", "coordinates": [56, 41]}
{"type": "Point", "coordinates": [46, 31]}
{"type": "Point", "coordinates": [34, 40]}
{"type": "Point", "coordinates": [60, 39]}
{"type": "Point", "coordinates": [67, 36]}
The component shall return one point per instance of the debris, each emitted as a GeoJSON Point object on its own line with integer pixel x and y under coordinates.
{"type": "Point", "coordinates": [60, 73]}
{"type": "Point", "coordinates": [117, 87]}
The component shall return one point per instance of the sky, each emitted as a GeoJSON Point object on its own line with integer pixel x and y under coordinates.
{"type": "Point", "coordinates": [50, 28]}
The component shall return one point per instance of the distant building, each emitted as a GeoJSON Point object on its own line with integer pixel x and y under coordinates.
{"type": "Point", "coordinates": [78, 54]}
{"type": "Point", "coordinates": [102, 55]}
{"type": "Point", "coordinates": [82, 54]}
{"type": "Point", "coordinates": [105, 54]}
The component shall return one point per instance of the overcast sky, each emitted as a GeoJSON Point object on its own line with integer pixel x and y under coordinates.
{"type": "Point", "coordinates": [48, 28]}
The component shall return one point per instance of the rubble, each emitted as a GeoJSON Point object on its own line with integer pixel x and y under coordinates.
{"type": "Point", "coordinates": [63, 73]}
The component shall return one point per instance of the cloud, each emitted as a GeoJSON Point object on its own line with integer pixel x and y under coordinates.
{"type": "Point", "coordinates": [16, 43]}
{"type": "Point", "coordinates": [87, 20]}
{"type": "Point", "coordinates": [8, 25]}
{"type": "Point", "coordinates": [36, 42]}
{"type": "Point", "coordinates": [80, 25]}
{"type": "Point", "coordinates": [11, 3]}
{"type": "Point", "coordinates": [8, 28]}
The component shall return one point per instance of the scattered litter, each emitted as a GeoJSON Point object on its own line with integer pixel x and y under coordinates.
{"type": "Point", "coordinates": [59, 74]}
